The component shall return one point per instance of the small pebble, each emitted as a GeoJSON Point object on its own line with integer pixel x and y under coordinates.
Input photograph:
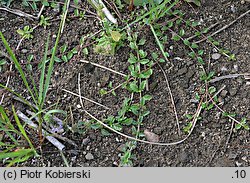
{"type": "Point", "coordinates": [115, 163]}
{"type": "Point", "coordinates": [244, 158]}
{"type": "Point", "coordinates": [117, 139]}
{"type": "Point", "coordinates": [181, 71]}
{"type": "Point", "coordinates": [223, 69]}
{"type": "Point", "coordinates": [184, 156]}
{"type": "Point", "coordinates": [224, 93]}
{"type": "Point", "coordinates": [236, 68]}
{"type": "Point", "coordinates": [233, 8]}
{"type": "Point", "coordinates": [85, 141]}
{"type": "Point", "coordinates": [24, 51]}
{"type": "Point", "coordinates": [232, 156]}
{"type": "Point", "coordinates": [220, 100]}
{"type": "Point", "coordinates": [195, 101]}
{"type": "Point", "coordinates": [89, 156]}
{"type": "Point", "coordinates": [216, 56]}
{"type": "Point", "coordinates": [88, 148]}
{"type": "Point", "coordinates": [233, 91]}
{"type": "Point", "coordinates": [238, 164]}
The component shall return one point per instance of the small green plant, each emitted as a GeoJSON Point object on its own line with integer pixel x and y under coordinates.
{"type": "Point", "coordinates": [83, 126]}
{"type": "Point", "coordinates": [32, 4]}
{"type": "Point", "coordinates": [242, 124]}
{"type": "Point", "coordinates": [239, 125]}
{"type": "Point", "coordinates": [65, 54]}
{"type": "Point", "coordinates": [189, 125]}
{"type": "Point", "coordinates": [140, 70]}
{"type": "Point", "coordinates": [127, 157]}
{"type": "Point", "coordinates": [26, 32]}
{"type": "Point", "coordinates": [110, 40]}
{"type": "Point", "coordinates": [134, 110]}
{"type": "Point", "coordinates": [44, 21]}
{"type": "Point", "coordinates": [112, 90]}
{"type": "Point", "coordinates": [77, 12]}
{"type": "Point", "coordinates": [37, 93]}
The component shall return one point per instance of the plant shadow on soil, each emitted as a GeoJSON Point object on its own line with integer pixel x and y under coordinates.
{"type": "Point", "coordinates": [205, 146]}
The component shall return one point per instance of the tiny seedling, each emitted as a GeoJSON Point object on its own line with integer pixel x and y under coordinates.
{"type": "Point", "coordinates": [110, 40]}
{"type": "Point", "coordinates": [243, 124]}
{"type": "Point", "coordinates": [26, 32]}
{"type": "Point", "coordinates": [65, 54]}
{"type": "Point", "coordinates": [127, 157]}
{"type": "Point", "coordinates": [44, 21]}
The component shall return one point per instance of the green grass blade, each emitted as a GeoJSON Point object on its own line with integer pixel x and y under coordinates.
{"type": "Point", "coordinates": [18, 156]}
{"type": "Point", "coordinates": [18, 66]}
{"type": "Point", "coordinates": [5, 121]}
{"type": "Point", "coordinates": [18, 153]}
{"type": "Point", "coordinates": [34, 84]}
{"type": "Point", "coordinates": [21, 159]}
{"type": "Point", "coordinates": [41, 82]}
{"type": "Point", "coordinates": [155, 9]}
{"type": "Point", "coordinates": [19, 96]}
{"type": "Point", "coordinates": [21, 128]}
{"type": "Point", "coordinates": [158, 42]}
{"type": "Point", "coordinates": [40, 112]}
{"type": "Point", "coordinates": [5, 118]}
{"type": "Point", "coordinates": [52, 59]}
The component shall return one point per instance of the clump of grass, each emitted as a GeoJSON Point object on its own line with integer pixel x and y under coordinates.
{"type": "Point", "coordinates": [12, 151]}
{"type": "Point", "coordinates": [37, 93]}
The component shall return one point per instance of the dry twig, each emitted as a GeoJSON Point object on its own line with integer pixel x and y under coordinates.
{"type": "Point", "coordinates": [23, 14]}
{"type": "Point", "coordinates": [172, 99]}
{"type": "Point", "coordinates": [229, 76]}
{"type": "Point", "coordinates": [92, 101]}
{"type": "Point", "coordinates": [103, 67]}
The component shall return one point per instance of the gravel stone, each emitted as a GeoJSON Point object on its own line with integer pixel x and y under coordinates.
{"type": "Point", "coordinates": [233, 91]}
{"type": "Point", "coordinates": [89, 156]}
{"type": "Point", "coordinates": [181, 71]}
{"type": "Point", "coordinates": [216, 56]}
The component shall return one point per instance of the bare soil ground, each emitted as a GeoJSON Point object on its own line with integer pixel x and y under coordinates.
{"type": "Point", "coordinates": [208, 145]}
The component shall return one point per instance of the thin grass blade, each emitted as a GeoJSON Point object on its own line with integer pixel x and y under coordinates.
{"type": "Point", "coordinates": [41, 89]}
{"type": "Point", "coordinates": [52, 59]}
{"type": "Point", "coordinates": [21, 128]}
{"type": "Point", "coordinates": [18, 66]}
